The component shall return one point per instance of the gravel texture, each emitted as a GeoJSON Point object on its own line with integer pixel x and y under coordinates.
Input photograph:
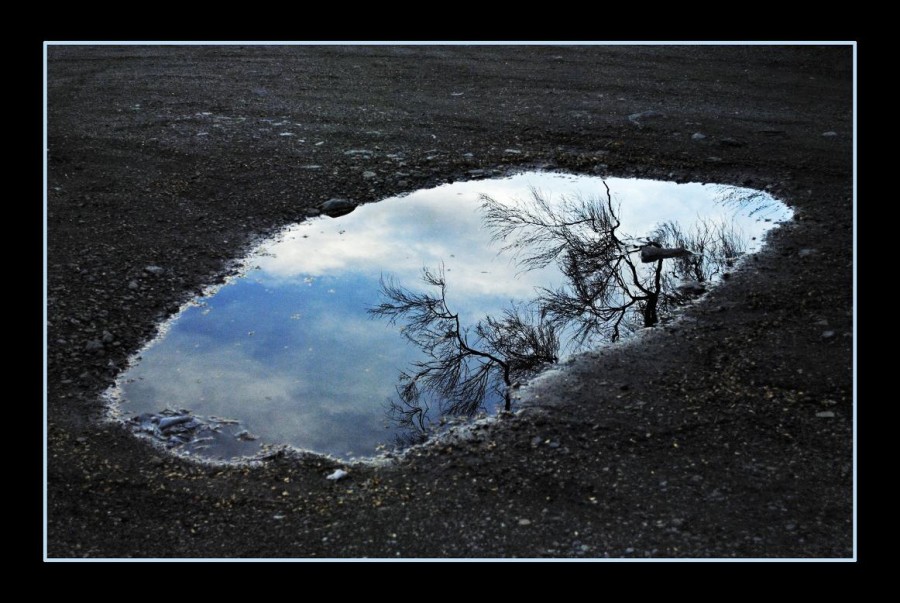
{"type": "Point", "coordinates": [727, 434]}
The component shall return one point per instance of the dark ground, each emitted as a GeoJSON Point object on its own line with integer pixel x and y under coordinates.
{"type": "Point", "coordinates": [704, 441]}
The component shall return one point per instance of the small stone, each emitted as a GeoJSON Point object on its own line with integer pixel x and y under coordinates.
{"type": "Point", "coordinates": [146, 422]}
{"type": "Point", "coordinates": [730, 142]}
{"type": "Point", "coordinates": [154, 270]}
{"type": "Point", "coordinates": [713, 158]}
{"type": "Point", "coordinates": [107, 337]}
{"type": "Point", "coordinates": [337, 207]}
{"type": "Point", "coordinates": [338, 474]}
{"type": "Point", "coordinates": [825, 414]}
{"type": "Point", "coordinates": [829, 133]}
{"type": "Point", "coordinates": [629, 550]}
{"type": "Point", "coordinates": [698, 136]}
{"type": "Point", "coordinates": [245, 436]}
{"type": "Point", "coordinates": [637, 118]}
{"type": "Point", "coordinates": [827, 334]}
{"type": "Point", "coordinates": [524, 522]}
{"type": "Point", "coordinates": [554, 444]}
{"type": "Point", "coordinates": [512, 152]}
{"type": "Point", "coordinates": [807, 252]}
{"type": "Point", "coordinates": [168, 422]}
{"type": "Point", "coordinates": [81, 439]}
{"type": "Point", "coordinates": [536, 440]}
{"type": "Point", "coordinates": [93, 345]}
{"type": "Point", "coordinates": [133, 285]}
{"type": "Point", "coordinates": [368, 175]}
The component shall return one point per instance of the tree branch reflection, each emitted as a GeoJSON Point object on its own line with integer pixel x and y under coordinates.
{"type": "Point", "coordinates": [461, 365]}
{"type": "Point", "coordinates": [614, 284]}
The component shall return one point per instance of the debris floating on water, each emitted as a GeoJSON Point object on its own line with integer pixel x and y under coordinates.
{"type": "Point", "coordinates": [651, 253]}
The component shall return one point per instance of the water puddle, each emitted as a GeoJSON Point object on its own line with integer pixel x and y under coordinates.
{"type": "Point", "coordinates": [347, 335]}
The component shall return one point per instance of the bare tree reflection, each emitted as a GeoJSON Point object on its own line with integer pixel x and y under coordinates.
{"type": "Point", "coordinates": [614, 284]}
{"type": "Point", "coordinates": [715, 246]}
{"type": "Point", "coordinates": [462, 365]}
{"type": "Point", "coordinates": [608, 290]}
{"type": "Point", "coordinates": [756, 203]}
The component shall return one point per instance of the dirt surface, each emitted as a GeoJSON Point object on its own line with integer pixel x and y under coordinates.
{"type": "Point", "coordinates": [728, 434]}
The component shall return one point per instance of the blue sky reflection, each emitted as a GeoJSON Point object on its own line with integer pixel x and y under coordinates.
{"type": "Point", "coordinates": [289, 350]}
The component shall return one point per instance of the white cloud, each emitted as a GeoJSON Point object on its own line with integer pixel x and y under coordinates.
{"type": "Point", "coordinates": [401, 235]}
{"type": "Point", "coordinates": [327, 399]}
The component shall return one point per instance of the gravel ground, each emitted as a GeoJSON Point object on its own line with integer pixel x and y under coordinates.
{"type": "Point", "coordinates": [727, 434]}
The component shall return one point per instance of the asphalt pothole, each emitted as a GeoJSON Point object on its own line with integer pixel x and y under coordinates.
{"type": "Point", "coordinates": [367, 328]}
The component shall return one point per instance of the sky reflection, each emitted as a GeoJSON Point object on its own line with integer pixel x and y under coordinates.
{"type": "Point", "coordinates": [289, 350]}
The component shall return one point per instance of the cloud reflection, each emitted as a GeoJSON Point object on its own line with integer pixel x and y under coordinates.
{"type": "Point", "coordinates": [402, 234]}
{"type": "Point", "coordinates": [289, 350]}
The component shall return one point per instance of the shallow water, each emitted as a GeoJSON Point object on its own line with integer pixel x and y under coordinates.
{"type": "Point", "coordinates": [289, 350]}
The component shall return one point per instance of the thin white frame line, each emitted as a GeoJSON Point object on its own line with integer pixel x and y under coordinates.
{"type": "Point", "coordinates": [451, 43]}
{"type": "Point", "coordinates": [855, 308]}
{"type": "Point", "coordinates": [45, 149]}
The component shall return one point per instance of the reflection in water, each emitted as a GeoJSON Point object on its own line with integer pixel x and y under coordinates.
{"type": "Point", "coordinates": [290, 351]}
{"type": "Point", "coordinates": [614, 283]}
{"type": "Point", "coordinates": [461, 365]}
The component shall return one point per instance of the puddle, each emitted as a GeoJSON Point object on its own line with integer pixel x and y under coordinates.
{"type": "Point", "coordinates": [308, 347]}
